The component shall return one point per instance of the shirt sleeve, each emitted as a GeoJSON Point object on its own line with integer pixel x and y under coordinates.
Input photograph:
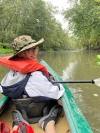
{"type": "Point", "coordinates": [39, 85]}
{"type": "Point", "coordinates": [1, 89]}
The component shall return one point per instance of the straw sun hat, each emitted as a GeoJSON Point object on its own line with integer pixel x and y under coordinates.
{"type": "Point", "coordinates": [22, 43]}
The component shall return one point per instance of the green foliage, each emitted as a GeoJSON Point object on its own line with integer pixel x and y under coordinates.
{"type": "Point", "coordinates": [5, 48]}
{"type": "Point", "coordinates": [5, 45]}
{"type": "Point", "coordinates": [98, 57]}
{"type": "Point", "coordinates": [84, 21]}
{"type": "Point", "coordinates": [34, 18]}
{"type": "Point", "coordinates": [5, 51]}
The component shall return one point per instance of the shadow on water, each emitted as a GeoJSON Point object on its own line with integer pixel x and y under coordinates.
{"type": "Point", "coordinates": [77, 65]}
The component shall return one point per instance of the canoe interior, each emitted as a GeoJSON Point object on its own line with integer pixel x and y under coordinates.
{"type": "Point", "coordinates": [73, 120]}
{"type": "Point", "coordinates": [61, 126]}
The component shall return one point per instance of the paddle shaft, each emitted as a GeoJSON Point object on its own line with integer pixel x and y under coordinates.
{"type": "Point", "coordinates": [76, 81]}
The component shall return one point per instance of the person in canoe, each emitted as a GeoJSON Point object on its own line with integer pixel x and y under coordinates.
{"type": "Point", "coordinates": [32, 82]}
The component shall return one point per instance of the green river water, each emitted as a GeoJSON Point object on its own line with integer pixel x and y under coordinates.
{"type": "Point", "coordinates": [77, 65]}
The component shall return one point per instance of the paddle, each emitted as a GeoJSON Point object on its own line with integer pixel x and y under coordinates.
{"type": "Point", "coordinates": [95, 81]}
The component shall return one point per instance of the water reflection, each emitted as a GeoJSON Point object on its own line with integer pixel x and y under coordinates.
{"type": "Point", "coordinates": [68, 72]}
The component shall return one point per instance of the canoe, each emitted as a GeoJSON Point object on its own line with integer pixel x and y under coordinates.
{"type": "Point", "coordinates": [73, 120]}
{"type": "Point", "coordinates": [3, 102]}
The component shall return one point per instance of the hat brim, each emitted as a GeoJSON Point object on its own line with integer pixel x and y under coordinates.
{"type": "Point", "coordinates": [32, 45]}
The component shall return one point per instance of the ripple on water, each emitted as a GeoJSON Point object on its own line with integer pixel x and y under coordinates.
{"type": "Point", "coordinates": [68, 71]}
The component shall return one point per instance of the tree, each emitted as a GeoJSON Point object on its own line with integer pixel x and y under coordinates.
{"type": "Point", "coordinates": [31, 17]}
{"type": "Point", "coordinates": [84, 20]}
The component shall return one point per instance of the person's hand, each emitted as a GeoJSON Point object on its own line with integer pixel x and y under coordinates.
{"type": "Point", "coordinates": [51, 77]}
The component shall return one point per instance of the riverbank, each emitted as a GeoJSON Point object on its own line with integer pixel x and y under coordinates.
{"type": "Point", "coordinates": [6, 51]}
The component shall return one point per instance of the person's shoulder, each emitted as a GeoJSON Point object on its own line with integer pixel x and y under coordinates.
{"type": "Point", "coordinates": [36, 72]}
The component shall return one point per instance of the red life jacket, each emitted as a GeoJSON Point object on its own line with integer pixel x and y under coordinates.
{"type": "Point", "coordinates": [23, 65]}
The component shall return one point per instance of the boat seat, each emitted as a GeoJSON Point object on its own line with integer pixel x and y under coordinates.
{"type": "Point", "coordinates": [33, 109]}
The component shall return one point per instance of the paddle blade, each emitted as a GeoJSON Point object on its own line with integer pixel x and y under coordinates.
{"type": "Point", "coordinates": [97, 82]}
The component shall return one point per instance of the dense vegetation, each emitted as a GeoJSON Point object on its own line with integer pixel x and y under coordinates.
{"type": "Point", "coordinates": [36, 18]}
{"type": "Point", "coordinates": [84, 21]}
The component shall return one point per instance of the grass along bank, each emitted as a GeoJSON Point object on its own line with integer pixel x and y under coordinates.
{"type": "Point", "coordinates": [5, 51]}
{"type": "Point", "coordinates": [5, 48]}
